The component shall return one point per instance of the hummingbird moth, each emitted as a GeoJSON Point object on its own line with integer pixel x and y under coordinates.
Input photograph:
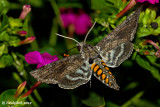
{"type": "Point", "coordinates": [73, 71]}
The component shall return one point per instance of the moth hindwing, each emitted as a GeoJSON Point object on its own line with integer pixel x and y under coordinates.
{"type": "Point", "coordinates": [73, 71]}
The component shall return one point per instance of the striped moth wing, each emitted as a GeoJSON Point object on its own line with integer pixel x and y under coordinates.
{"type": "Point", "coordinates": [116, 47]}
{"type": "Point", "coordinates": [69, 72]}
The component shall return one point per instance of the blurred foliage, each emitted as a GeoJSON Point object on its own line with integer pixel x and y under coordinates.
{"type": "Point", "coordinates": [138, 77]}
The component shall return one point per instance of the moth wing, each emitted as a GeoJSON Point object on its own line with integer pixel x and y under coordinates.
{"type": "Point", "coordinates": [116, 56]}
{"type": "Point", "coordinates": [69, 72]}
{"type": "Point", "coordinates": [77, 78]}
{"type": "Point", "coordinates": [116, 48]}
{"type": "Point", "coordinates": [122, 33]}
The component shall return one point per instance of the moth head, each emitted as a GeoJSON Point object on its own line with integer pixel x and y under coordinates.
{"type": "Point", "coordinates": [84, 47]}
{"type": "Point", "coordinates": [80, 46]}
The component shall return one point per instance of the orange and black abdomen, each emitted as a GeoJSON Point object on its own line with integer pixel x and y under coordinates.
{"type": "Point", "coordinates": [103, 73]}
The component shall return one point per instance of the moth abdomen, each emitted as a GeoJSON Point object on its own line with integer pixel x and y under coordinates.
{"type": "Point", "coordinates": [103, 73]}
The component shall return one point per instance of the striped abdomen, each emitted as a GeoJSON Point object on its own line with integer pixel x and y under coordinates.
{"type": "Point", "coordinates": [103, 73]}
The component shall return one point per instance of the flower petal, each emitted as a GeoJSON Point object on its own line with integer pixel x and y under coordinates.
{"type": "Point", "coordinates": [141, 1]}
{"type": "Point", "coordinates": [67, 19]}
{"type": "Point", "coordinates": [47, 58]}
{"type": "Point", "coordinates": [157, 1]}
{"type": "Point", "coordinates": [34, 57]}
{"type": "Point", "coordinates": [82, 24]}
{"type": "Point", "coordinates": [150, 1]}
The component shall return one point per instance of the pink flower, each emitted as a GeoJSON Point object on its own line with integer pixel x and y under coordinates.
{"type": "Point", "coordinates": [27, 40]}
{"type": "Point", "coordinates": [26, 10]}
{"type": "Point", "coordinates": [150, 1]}
{"type": "Point", "coordinates": [81, 21]}
{"type": "Point", "coordinates": [39, 59]}
{"type": "Point", "coordinates": [22, 33]}
{"type": "Point", "coordinates": [68, 19]}
{"type": "Point", "coordinates": [82, 24]}
{"type": "Point", "coordinates": [157, 54]}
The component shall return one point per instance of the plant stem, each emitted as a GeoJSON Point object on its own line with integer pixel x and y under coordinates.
{"type": "Point", "coordinates": [134, 98]}
{"type": "Point", "coordinates": [130, 5]}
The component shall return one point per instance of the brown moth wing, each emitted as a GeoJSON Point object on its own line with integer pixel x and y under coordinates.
{"type": "Point", "coordinates": [77, 78]}
{"type": "Point", "coordinates": [122, 33]}
{"type": "Point", "coordinates": [56, 72]}
{"type": "Point", "coordinates": [119, 38]}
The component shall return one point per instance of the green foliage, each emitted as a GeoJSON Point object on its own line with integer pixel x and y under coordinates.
{"type": "Point", "coordinates": [4, 7]}
{"type": "Point", "coordinates": [6, 97]}
{"type": "Point", "coordinates": [4, 24]}
{"type": "Point", "coordinates": [146, 18]}
{"type": "Point", "coordinates": [146, 65]}
{"type": "Point", "coordinates": [94, 100]}
{"type": "Point", "coordinates": [8, 34]}
{"type": "Point", "coordinates": [6, 60]}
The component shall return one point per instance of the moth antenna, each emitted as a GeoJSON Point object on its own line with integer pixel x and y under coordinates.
{"type": "Point", "coordinates": [89, 31]}
{"type": "Point", "coordinates": [68, 38]}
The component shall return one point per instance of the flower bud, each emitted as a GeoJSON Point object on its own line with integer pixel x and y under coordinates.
{"type": "Point", "coordinates": [22, 33]}
{"type": "Point", "coordinates": [27, 40]}
{"type": "Point", "coordinates": [20, 89]}
{"type": "Point", "coordinates": [26, 10]}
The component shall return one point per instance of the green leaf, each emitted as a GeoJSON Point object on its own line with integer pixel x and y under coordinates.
{"type": "Point", "coordinates": [7, 96]}
{"type": "Point", "coordinates": [146, 65]}
{"type": "Point", "coordinates": [134, 55]}
{"type": "Point", "coordinates": [143, 63]}
{"type": "Point", "coordinates": [153, 15]}
{"type": "Point", "coordinates": [14, 41]}
{"type": "Point", "coordinates": [134, 98]}
{"type": "Point", "coordinates": [146, 17]}
{"type": "Point", "coordinates": [99, 4]}
{"type": "Point", "coordinates": [111, 104]}
{"type": "Point", "coordinates": [142, 32]}
{"type": "Point", "coordinates": [5, 23]}
{"type": "Point", "coordinates": [157, 31]}
{"type": "Point", "coordinates": [6, 60]}
{"type": "Point", "coordinates": [158, 20]}
{"type": "Point", "coordinates": [94, 100]}
{"type": "Point", "coordinates": [4, 36]}
{"type": "Point", "coordinates": [35, 3]}
{"type": "Point", "coordinates": [131, 85]}
{"type": "Point", "coordinates": [15, 23]}
{"type": "Point", "coordinates": [7, 99]}
{"type": "Point", "coordinates": [141, 17]}
{"type": "Point", "coordinates": [2, 47]}
{"type": "Point", "coordinates": [4, 7]}
{"type": "Point", "coordinates": [118, 3]}
{"type": "Point", "coordinates": [152, 58]}
{"type": "Point", "coordinates": [143, 103]}
{"type": "Point", "coordinates": [2, 65]}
